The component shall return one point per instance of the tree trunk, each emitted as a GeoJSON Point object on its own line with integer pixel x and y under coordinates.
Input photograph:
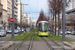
{"type": "Point", "coordinates": [55, 23]}
{"type": "Point", "coordinates": [58, 23]}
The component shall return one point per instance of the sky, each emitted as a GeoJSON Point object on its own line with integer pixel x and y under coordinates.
{"type": "Point", "coordinates": [34, 7]}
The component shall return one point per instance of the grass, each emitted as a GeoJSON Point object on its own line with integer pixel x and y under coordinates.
{"type": "Point", "coordinates": [20, 37]}
{"type": "Point", "coordinates": [36, 37]}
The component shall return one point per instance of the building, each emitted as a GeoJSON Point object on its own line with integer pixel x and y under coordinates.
{"type": "Point", "coordinates": [1, 7]}
{"type": "Point", "coordinates": [27, 20]}
{"type": "Point", "coordinates": [7, 7]}
{"type": "Point", "coordinates": [70, 18]}
{"type": "Point", "coordinates": [19, 12]}
{"type": "Point", "coordinates": [15, 12]}
{"type": "Point", "coordinates": [73, 3]}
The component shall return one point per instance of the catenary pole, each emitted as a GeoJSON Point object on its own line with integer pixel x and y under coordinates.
{"type": "Point", "coordinates": [21, 16]}
{"type": "Point", "coordinates": [63, 36]}
{"type": "Point", "coordinates": [12, 37]}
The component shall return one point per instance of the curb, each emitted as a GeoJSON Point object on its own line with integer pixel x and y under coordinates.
{"type": "Point", "coordinates": [70, 45]}
{"type": "Point", "coordinates": [6, 46]}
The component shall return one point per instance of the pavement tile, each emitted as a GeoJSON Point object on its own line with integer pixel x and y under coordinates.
{"type": "Point", "coordinates": [6, 44]}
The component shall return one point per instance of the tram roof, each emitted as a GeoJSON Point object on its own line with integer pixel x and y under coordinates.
{"type": "Point", "coordinates": [43, 21]}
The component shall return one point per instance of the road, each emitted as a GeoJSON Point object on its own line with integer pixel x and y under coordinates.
{"type": "Point", "coordinates": [8, 36]}
{"type": "Point", "coordinates": [72, 37]}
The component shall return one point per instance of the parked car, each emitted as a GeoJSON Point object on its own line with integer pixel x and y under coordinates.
{"type": "Point", "coordinates": [22, 30]}
{"type": "Point", "coordinates": [16, 31]}
{"type": "Point", "coordinates": [62, 32]}
{"type": "Point", "coordinates": [73, 33]}
{"type": "Point", "coordinates": [68, 32]}
{"type": "Point", "coordinates": [8, 31]}
{"type": "Point", "coordinates": [3, 33]}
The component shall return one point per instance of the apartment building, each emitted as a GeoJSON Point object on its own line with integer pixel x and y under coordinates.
{"type": "Point", "coordinates": [7, 11]}
{"type": "Point", "coordinates": [1, 6]}
{"type": "Point", "coordinates": [70, 18]}
{"type": "Point", "coordinates": [27, 21]}
{"type": "Point", "coordinates": [7, 6]}
{"type": "Point", "coordinates": [19, 12]}
{"type": "Point", "coordinates": [73, 3]}
{"type": "Point", "coordinates": [15, 12]}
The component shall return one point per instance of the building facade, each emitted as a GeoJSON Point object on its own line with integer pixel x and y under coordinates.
{"type": "Point", "coordinates": [7, 5]}
{"type": "Point", "coordinates": [19, 12]}
{"type": "Point", "coordinates": [15, 12]}
{"type": "Point", "coordinates": [70, 18]}
{"type": "Point", "coordinates": [73, 3]}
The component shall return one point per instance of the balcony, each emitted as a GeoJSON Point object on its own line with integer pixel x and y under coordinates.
{"type": "Point", "coordinates": [70, 15]}
{"type": "Point", "coordinates": [16, 11]}
{"type": "Point", "coordinates": [15, 14]}
{"type": "Point", "coordinates": [8, 12]}
{"type": "Point", "coordinates": [15, 6]}
{"type": "Point", "coordinates": [9, 7]}
{"type": "Point", "coordinates": [9, 1]}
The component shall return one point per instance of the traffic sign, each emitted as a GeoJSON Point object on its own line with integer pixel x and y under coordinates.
{"type": "Point", "coordinates": [11, 19]}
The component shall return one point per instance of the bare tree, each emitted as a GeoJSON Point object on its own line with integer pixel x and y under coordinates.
{"type": "Point", "coordinates": [56, 6]}
{"type": "Point", "coordinates": [41, 15]}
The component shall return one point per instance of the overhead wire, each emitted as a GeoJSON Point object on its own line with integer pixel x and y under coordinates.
{"type": "Point", "coordinates": [30, 6]}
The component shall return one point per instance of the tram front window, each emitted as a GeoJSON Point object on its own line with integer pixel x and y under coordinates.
{"type": "Point", "coordinates": [43, 27]}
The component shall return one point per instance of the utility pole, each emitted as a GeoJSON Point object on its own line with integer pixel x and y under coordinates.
{"type": "Point", "coordinates": [63, 36]}
{"type": "Point", "coordinates": [21, 16]}
{"type": "Point", "coordinates": [13, 21]}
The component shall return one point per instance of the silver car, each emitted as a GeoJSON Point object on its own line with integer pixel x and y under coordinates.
{"type": "Point", "coordinates": [2, 32]}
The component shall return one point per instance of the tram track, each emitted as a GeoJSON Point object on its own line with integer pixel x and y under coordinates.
{"type": "Point", "coordinates": [22, 42]}
{"type": "Point", "coordinates": [53, 45]}
{"type": "Point", "coordinates": [29, 48]}
{"type": "Point", "coordinates": [47, 44]}
{"type": "Point", "coordinates": [56, 43]}
{"type": "Point", "coordinates": [31, 42]}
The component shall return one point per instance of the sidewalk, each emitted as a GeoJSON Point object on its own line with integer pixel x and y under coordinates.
{"type": "Point", "coordinates": [5, 44]}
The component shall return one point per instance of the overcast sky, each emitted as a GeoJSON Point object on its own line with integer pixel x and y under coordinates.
{"type": "Point", "coordinates": [34, 7]}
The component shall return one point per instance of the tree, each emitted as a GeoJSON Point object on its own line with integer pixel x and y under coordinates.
{"type": "Point", "coordinates": [56, 6]}
{"type": "Point", "coordinates": [41, 15]}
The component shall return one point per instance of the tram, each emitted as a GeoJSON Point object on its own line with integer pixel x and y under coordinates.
{"type": "Point", "coordinates": [43, 28]}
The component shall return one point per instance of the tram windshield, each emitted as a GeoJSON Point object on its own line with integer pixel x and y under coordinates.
{"type": "Point", "coordinates": [43, 27]}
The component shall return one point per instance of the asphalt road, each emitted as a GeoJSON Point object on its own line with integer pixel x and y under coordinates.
{"type": "Point", "coordinates": [72, 37]}
{"type": "Point", "coordinates": [8, 36]}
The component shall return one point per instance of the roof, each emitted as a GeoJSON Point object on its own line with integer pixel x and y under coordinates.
{"type": "Point", "coordinates": [43, 21]}
{"type": "Point", "coordinates": [70, 10]}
